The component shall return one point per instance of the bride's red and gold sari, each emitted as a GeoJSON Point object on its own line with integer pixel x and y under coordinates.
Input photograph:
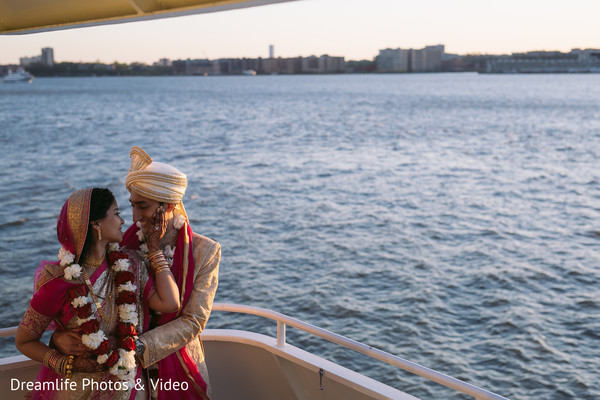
{"type": "Point", "coordinates": [52, 308]}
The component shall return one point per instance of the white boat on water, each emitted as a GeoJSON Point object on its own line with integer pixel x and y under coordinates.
{"type": "Point", "coordinates": [249, 72]}
{"type": "Point", "coordinates": [268, 368]}
{"type": "Point", "coordinates": [20, 76]}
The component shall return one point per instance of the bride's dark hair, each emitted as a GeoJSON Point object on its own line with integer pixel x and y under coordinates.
{"type": "Point", "coordinates": [100, 202]}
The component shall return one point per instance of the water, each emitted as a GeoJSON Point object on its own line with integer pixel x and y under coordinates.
{"type": "Point", "coordinates": [451, 219]}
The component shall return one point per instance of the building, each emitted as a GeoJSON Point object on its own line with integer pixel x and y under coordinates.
{"type": "Point", "coordinates": [26, 61]}
{"type": "Point", "coordinates": [271, 51]}
{"type": "Point", "coordinates": [163, 62]}
{"type": "Point", "coordinates": [577, 60]}
{"type": "Point", "coordinates": [331, 65]}
{"type": "Point", "coordinates": [393, 60]}
{"type": "Point", "coordinates": [428, 59]}
{"type": "Point", "coordinates": [323, 65]}
{"type": "Point", "coordinates": [195, 67]}
{"type": "Point", "coordinates": [47, 57]}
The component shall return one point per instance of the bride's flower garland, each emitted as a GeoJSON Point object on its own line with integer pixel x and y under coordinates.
{"type": "Point", "coordinates": [120, 361]}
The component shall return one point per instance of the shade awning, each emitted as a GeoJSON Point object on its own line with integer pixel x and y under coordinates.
{"type": "Point", "coordinates": [29, 16]}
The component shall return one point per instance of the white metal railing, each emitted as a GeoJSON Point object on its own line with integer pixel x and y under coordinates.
{"type": "Point", "coordinates": [283, 320]}
{"type": "Point", "coordinates": [12, 331]}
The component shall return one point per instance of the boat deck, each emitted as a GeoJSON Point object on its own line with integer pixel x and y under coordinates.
{"type": "Point", "coordinates": [252, 366]}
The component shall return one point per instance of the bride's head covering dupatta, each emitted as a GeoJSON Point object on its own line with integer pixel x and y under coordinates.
{"type": "Point", "coordinates": [73, 222]}
{"type": "Point", "coordinates": [164, 183]}
{"type": "Point", "coordinates": [72, 228]}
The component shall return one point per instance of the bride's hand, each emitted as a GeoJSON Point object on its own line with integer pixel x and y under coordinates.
{"type": "Point", "coordinates": [69, 342]}
{"type": "Point", "coordinates": [156, 229]}
{"type": "Point", "coordinates": [85, 364]}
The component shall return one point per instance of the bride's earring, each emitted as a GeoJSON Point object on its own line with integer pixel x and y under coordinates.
{"type": "Point", "coordinates": [99, 233]}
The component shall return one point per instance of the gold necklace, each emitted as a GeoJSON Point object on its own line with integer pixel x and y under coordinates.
{"type": "Point", "coordinates": [88, 282]}
{"type": "Point", "coordinates": [93, 262]}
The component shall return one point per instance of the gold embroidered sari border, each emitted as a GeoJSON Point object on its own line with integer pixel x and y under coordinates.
{"type": "Point", "coordinates": [34, 322]}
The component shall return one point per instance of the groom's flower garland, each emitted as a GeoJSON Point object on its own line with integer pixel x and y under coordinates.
{"type": "Point", "coordinates": [121, 361]}
{"type": "Point", "coordinates": [178, 222]}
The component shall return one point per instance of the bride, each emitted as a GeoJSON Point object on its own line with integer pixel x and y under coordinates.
{"type": "Point", "coordinates": [94, 292]}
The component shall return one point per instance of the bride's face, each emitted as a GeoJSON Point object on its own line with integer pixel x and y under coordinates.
{"type": "Point", "coordinates": [111, 224]}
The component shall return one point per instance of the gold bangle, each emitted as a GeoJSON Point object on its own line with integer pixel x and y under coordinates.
{"type": "Point", "coordinates": [156, 257]}
{"type": "Point", "coordinates": [155, 254]}
{"type": "Point", "coordinates": [49, 354]}
{"type": "Point", "coordinates": [161, 269]}
{"type": "Point", "coordinates": [60, 365]}
{"type": "Point", "coordinates": [53, 360]}
{"type": "Point", "coordinates": [158, 263]}
{"type": "Point", "coordinates": [69, 367]}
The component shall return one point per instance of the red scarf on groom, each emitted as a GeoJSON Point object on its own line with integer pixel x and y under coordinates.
{"type": "Point", "coordinates": [177, 367]}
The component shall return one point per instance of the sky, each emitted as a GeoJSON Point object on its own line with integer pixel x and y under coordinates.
{"type": "Point", "coordinates": [354, 29]}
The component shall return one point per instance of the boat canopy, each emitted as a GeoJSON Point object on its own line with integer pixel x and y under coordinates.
{"type": "Point", "coordinates": [30, 16]}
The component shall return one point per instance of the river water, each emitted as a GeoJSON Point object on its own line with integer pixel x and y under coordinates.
{"type": "Point", "coordinates": [450, 219]}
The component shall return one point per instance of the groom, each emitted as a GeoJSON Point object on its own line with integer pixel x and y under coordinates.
{"type": "Point", "coordinates": [171, 348]}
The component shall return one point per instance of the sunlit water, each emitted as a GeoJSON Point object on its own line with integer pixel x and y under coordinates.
{"type": "Point", "coordinates": [451, 219]}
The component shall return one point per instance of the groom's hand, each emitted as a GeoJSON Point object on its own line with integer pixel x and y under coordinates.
{"type": "Point", "coordinates": [69, 343]}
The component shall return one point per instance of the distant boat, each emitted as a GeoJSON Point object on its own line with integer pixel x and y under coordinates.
{"type": "Point", "coordinates": [20, 76]}
{"type": "Point", "coordinates": [249, 72]}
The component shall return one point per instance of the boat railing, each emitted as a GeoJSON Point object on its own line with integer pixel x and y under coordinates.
{"type": "Point", "coordinates": [283, 321]}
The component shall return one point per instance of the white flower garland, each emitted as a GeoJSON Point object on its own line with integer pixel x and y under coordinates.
{"type": "Point", "coordinates": [65, 257]}
{"type": "Point", "coordinates": [72, 270]}
{"type": "Point", "coordinates": [80, 301]}
{"type": "Point", "coordinates": [126, 286]}
{"type": "Point", "coordinates": [125, 367]}
{"type": "Point", "coordinates": [121, 265]}
{"type": "Point", "coordinates": [94, 340]}
{"type": "Point", "coordinates": [169, 252]}
{"type": "Point", "coordinates": [178, 222]}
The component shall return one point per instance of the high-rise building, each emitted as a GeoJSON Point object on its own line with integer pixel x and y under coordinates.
{"type": "Point", "coordinates": [271, 51]}
{"type": "Point", "coordinates": [47, 56]}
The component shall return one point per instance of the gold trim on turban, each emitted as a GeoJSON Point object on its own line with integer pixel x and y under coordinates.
{"type": "Point", "coordinates": [156, 181]}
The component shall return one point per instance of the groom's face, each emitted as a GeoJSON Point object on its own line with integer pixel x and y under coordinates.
{"type": "Point", "coordinates": [143, 208]}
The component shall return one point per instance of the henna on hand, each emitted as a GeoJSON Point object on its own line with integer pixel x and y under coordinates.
{"type": "Point", "coordinates": [85, 364]}
{"type": "Point", "coordinates": [69, 342]}
{"type": "Point", "coordinates": [156, 230]}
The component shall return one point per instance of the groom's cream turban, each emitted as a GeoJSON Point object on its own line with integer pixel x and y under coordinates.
{"type": "Point", "coordinates": [155, 180]}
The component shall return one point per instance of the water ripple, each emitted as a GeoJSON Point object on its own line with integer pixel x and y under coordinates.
{"type": "Point", "coordinates": [449, 219]}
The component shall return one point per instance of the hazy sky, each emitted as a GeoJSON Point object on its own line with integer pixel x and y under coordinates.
{"type": "Point", "coordinates": [355, 29]}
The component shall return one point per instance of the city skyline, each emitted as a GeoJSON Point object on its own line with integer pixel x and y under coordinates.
{"type": "Point", "coordinates": [354, 29]}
